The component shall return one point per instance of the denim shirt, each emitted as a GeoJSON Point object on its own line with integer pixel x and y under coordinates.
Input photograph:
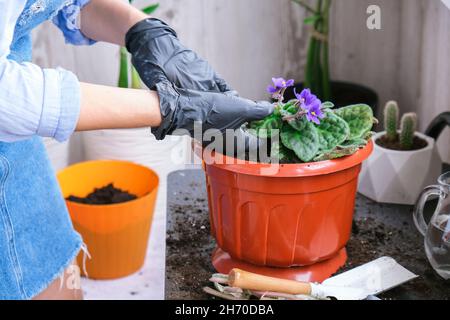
{"type": "Point", "coordinates": [35, 101]}
{"type": "Point", "coordinates": [37, 238]}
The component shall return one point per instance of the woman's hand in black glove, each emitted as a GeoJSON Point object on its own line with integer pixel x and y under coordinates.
{"type": "Point", "coordinates": [154, 45]}
{"type": "Point", "coordinates": [189, 89]}
{"type": "Point", "coordinates": [182, 108]}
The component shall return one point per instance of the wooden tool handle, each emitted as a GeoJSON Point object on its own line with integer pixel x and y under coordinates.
{"type": "Point", "coordinates": [252, 281]}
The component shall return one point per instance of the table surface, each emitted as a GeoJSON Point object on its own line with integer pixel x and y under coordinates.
{"type": "Point", "coordinates": [378, 230]}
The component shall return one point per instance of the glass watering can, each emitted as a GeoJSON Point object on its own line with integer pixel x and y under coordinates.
{"type": "Point", "coordinates": [437, 232]}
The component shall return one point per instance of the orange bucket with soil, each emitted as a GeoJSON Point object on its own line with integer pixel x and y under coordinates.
{"type": "Point", "coordinates": [117, 234]}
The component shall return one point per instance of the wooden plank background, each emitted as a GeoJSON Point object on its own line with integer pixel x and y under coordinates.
{"type": "Point", "coordinates": [249, 41]}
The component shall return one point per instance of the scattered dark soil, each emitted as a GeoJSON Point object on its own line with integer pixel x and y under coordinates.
{"type": "Point", "coordinates": [106, 195]}
{"type": "Point", "coordinates": [418, 144]}
{"type": "Point", "coordinates": [378, 230]}
{"type": "Point", "coordinates": [189, 247]}
{"type": "Point", "coordinates": [372, 239]}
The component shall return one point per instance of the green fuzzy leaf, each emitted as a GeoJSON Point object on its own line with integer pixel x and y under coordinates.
{"type": "Point", "coordinates": [264, 128]}
{"type": "Point", "coordinates": [304, 140]}
{"type": "Point", "coordinates": [359, 118]}
{"type": "Point", "coordinates": [282, 154]}
{"type": "Point", "coordinates": [289, 108]}
{"type": "Point", "coordinates": [368, 135]}
{"type": "Point", "coordinates": [327, 105]}
{"type": "Point", "coordinates": [297, 124]}
{"type": "Point", "coordinates": [150, 9]}
{"type": "Point", "coordinates": [336, 154]}
{"type": "Point", "coordinates": [333, 131]}
{"type": "Point", "coordinates": [359, 142]}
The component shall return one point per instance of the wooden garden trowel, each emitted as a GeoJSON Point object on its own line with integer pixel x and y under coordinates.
{"type": "Point", "coordinates": [360, 283]}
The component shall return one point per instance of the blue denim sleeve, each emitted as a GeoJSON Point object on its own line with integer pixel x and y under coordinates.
{"type": "Point", "coordinates": [67, 21]}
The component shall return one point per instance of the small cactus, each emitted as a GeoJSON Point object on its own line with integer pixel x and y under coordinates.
{"type": "Point", "coordinates": [407, 131]}
{"type": "Point", "coordinates": [391, 115]}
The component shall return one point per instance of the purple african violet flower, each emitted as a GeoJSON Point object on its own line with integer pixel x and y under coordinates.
{"type": "Point", "coordinates": [311, 104]}
{"type": "Point", "coordinates": [279, 84]}
{"type": "Point", "coordinates": [315, 113]}
{"type": "Point", "coordinates": [306, 97]}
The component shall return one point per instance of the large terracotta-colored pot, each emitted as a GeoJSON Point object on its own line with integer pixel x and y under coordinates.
{"type": "Point", "coordinates": [299, 216]}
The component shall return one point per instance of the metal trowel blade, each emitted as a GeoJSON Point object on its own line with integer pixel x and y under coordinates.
{"type": "Point", "coordinates": [374, 277]}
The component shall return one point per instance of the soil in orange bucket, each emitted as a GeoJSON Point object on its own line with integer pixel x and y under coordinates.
{"type": "Point", "coordinates": [103, 196]}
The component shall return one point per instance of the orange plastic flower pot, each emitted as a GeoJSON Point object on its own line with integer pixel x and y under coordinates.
{"type": "Point", "coordinates": [116, 235]}
{"type": "Point", "coordinates": [299, 216]}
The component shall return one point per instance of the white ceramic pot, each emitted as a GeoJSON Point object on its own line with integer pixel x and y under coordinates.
{"type": "Point", "coordinates": [391, 176]}
{"type": "Point", "coordinates": [136, 145]}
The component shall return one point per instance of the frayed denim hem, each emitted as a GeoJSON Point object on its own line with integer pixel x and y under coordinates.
{"type": "Point", "coordinates": [58, 273]}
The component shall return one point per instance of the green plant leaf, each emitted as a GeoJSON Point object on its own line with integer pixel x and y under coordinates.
{"type": "Point", "coordinates": [264, 128]}
{"type": "Point", "coordinates": [135, 79]}
{"type": "Point", "coordinates": [333, 131]}
{"type": "Point", "coordinates": [369, 135]}
{"type": "Point", "coordinates": [304, 140]}
{"type": "Point", "coordinates": [123, 71]}
{"type": "Point", "coordinates": [289, 108]}
{"type": "Point", "coordinates": [359, 142]}
{"type": "Point", "coordinates": [312, 19]}
{"type": "Point", "coordinates": [296, 124]}
{"type": "Point", "coordinates": [150, 9]}
{"type": "Point", "coordinates": [327, 105]}
{"type": "Point", "coordinates": [359, 118]}
{"type": "Point", "coordinates": [336, 154]}
{"type": "Point", "coordinates": [282, 154]}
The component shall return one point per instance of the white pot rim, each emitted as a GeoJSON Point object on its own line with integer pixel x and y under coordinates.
{"type": "Point", "coordinates": [428, 148]}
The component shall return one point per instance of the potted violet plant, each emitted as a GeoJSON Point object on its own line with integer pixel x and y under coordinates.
{"type": "Point", "coordinates": [317, 71]}
{"type": "Point", "coordinates": [403, 163]}
{"type": "Point", "coordinates": [293, 222]}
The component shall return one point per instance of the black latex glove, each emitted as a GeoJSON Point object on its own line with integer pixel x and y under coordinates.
{"type": "Point", "coordinates": [154, 45]}
{"type": "Point", "coordinates": [181, 108]}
